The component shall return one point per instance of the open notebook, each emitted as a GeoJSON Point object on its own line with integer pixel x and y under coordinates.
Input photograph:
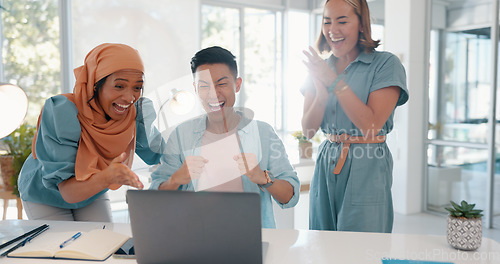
{"type": "Point", "coordinates": [195, 227]}
{"type": "Point", "coordinates": [97, 244]}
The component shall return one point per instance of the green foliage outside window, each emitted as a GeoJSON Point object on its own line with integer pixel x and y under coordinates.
{"type": "Point", "coordinates": [30, 50]}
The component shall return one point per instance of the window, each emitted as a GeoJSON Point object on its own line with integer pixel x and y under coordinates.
{"type": "Point", "coordinates": [258, 65]}
{"type": "Point", "coordinates": [221, 27]}
{"type": "Point", "coordinates": [30, 50]}
{"type": "Point", "coordinates": [271, 75]}
{"type": "Point", "coordinates": [261, 85]}
{"type": "Point", "coordinates": [295, 70]}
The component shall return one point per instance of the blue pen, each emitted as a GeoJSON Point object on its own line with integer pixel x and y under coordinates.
{"type": "Point", "coordinates": [77, 235]}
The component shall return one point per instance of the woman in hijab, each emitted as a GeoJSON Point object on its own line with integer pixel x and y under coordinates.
{"type": "Point", "coordinates": [85, 140]}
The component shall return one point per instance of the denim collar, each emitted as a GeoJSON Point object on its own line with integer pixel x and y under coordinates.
{"type": "Point", "coordinates": [246, 118]}
{"type": "Point", "coordinates": [362, 57]}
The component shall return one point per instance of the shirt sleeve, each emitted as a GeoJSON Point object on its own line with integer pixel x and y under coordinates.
{"type": "Point", "coordinates": [149, 141]}
{"type": "Point", "coordinates": [277, 161]}
{"type": "Point", "coordinates": [57, 141]}
{"type": "Point", "coordinates": [171, 160]}
{"type": "Point", "coordinates": [391, 73]}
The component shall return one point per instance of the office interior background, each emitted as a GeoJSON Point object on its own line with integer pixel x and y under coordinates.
{"type": "Point", "coordinates": [445, 139]}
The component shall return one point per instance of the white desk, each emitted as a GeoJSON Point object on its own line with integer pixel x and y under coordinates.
{"type": "Point", "coordinates": [304, 246]}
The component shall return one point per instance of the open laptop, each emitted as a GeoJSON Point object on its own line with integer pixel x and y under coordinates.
{"type": "Point", "coordinates": [195, 227]}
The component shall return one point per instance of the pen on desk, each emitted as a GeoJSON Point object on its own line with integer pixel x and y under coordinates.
{"type": "Point", "coordinates": [28, 239]}
{"type": "Point", "coordinates": [75, 236]}
{"type": "Point", "coordinates": [23, 236]}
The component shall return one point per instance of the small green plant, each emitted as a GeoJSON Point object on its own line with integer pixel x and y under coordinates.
{"type": "Point", "coordinates": [19, 146]}
{"type": "Point", "coordinates": [300, 137]}
{"type": "Point", "coordinates": [464, 210]}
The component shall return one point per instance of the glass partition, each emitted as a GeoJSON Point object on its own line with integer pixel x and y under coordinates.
{"type": "Point", "coordinates": [455, 174]}
{"type": "Point", "coordinates": [460, 107]}
{"type": "Point", "coordinates": [464, 95]}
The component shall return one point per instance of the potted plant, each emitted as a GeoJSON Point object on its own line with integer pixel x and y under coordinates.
{"type": "Point", "coordinates": [18, 149]}
{"type": "Point", "coordinates": [305, 145]}
{"type": "Point", "coordinates": [464, 226]}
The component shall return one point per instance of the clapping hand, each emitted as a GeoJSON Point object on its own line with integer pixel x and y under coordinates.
{"type": "Point", "coordinates": [318, 68]}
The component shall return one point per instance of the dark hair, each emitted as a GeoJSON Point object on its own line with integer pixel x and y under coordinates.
{"type": "Point", "coordinates": [97, 86]}
{"type": "Point", "coordinates": [214, 55]}
{"type": "Point", "coordinates": [365, 41]}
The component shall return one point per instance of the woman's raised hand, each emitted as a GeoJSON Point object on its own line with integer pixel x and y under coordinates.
{"type": "Point", "coordinates": [121, 174]}
{"type": "Point", "coordinates": [318, 68]}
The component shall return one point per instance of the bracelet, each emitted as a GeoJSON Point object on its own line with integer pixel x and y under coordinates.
{"type": "Point", "coordinates": [270, 180]}
{"type": "Point", "coordinates": [332, 87]}
{"type": "Point", "coordinates": [340, 90]}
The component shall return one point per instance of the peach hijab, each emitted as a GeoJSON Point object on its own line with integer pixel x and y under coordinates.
{"type": "Point", "coordinates": [102, 140]}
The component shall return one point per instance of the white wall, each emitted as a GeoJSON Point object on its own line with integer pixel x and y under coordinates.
{"type": "Point", "coordinates": [471, 14]}
{"type": "Point", "coordinates": [405, 36]}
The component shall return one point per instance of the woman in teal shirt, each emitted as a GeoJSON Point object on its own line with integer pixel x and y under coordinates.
{"type": "Point", "coordinates": [86, 140]}
{"type": "Point", "coordinates": [352, 96]}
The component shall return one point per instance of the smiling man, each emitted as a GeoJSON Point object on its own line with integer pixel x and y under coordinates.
{"type": "Point", "coordinates": [225, 150]}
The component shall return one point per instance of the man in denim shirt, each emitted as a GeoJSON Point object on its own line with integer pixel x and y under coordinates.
{"type": "Point", "coordinates": [225, 150]}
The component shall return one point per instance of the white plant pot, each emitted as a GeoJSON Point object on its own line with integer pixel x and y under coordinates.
{"type": "Point", "coordinates": [305, 150]}
{"type": "Point", "coordinates": [465, 234]}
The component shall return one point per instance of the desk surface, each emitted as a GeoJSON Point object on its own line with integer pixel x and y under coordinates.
{"type": "Point", "coordinates": [303, 246]}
